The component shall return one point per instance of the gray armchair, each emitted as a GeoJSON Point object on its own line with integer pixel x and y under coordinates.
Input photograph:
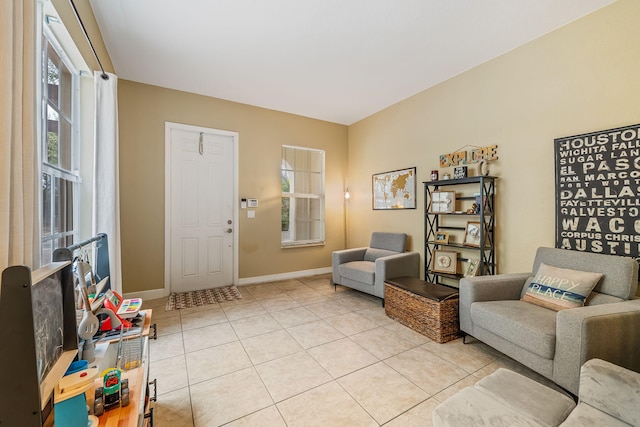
{"type": "Point", "coordinates": [557, 344]}
{"type": "Point", "coordinates": [366, 269]}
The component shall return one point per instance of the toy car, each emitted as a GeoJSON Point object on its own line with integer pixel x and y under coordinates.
{"type": "Point", "coordinates": [114, 391]}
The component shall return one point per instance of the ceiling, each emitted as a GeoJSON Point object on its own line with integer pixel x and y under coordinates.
{"type": "Point", "coordinates": [334, 60]}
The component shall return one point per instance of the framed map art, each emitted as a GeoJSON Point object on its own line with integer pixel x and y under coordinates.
{"type": "Point", "coordinates": [395, 189]}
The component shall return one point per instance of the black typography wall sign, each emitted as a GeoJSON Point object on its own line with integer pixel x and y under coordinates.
{"type": "Point", "coordinates": [598, 192]}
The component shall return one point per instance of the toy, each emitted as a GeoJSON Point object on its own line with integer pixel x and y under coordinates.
{"type": "Point", "coordinates": [113, 392]}
{"type": "Point", "coordinates": [70, 401]}
{"type": "Point", "coordinates": [114, 302]}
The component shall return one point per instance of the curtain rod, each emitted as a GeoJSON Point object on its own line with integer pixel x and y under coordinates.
{"type": "Point", "coordinates": [86, 35]}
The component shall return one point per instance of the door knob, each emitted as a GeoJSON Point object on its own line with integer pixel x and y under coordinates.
{"type": "Point", "coordinates": [229, 230]}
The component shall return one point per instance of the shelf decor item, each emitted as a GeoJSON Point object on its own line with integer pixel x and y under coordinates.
{"type": "Point", "coordinates": [459, 172]}
{"type": "Point", "coordinates": [445, 261]}
{"type": "Point", "coordinates": [395, 189]}
{"type": "Point", "coordinates": [443, 201]}
{"type": "Point", "coordinates": [472, 267]}
{"type": "Point", "coordinates": [442, 237]}
{"type": "Point", "coordinates": [472, 234]}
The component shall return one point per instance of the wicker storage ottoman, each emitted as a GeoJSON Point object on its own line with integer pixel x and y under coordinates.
{"type": "Point", "coordinates": [427, 308]}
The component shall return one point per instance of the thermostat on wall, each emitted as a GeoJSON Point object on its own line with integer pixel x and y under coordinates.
{"type": "Point", "coordinates": [252, 203]}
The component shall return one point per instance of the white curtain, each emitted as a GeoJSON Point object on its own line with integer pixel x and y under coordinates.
{"type": "Point", "coordinates": [19, 229]}
{"type": "Point", "coordinates": [106, 187]}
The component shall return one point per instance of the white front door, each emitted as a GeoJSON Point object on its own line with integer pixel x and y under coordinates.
{"type": "Point", "coordinates": [201, 208]}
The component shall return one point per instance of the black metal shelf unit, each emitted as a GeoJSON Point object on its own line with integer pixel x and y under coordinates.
{"type": "Point", "coordinates": [435, 222]}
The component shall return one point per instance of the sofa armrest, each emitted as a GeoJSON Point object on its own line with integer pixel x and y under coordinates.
{"type": "Point", "coordinates": [605, 331]}
{"type": "Point", "coordinates": [487, 288]}
{"type": "Point", "coordinates": [348, 255]}
{"type": "Point", "coordinates": [399, 265]}
{"type": "Point", "coordinates": [492, 288]}
{"type": "Point", "coordinates": [343, 256]}
{"type": "Point", "coordinates": [611, 389]}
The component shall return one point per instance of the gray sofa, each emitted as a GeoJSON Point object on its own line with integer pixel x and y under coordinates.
{"type": "Point", "coordinates": [366, 269]}
{"type": "Point", "coordinates": [556, 344]}
{"type": "Point", "coordinates": [609, 396]}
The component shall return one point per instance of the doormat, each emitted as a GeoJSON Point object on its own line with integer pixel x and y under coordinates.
{"type": "Point", "coordinates": [203, 297]}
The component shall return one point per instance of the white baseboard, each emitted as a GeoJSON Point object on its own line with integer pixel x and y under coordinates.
{"type": "Point", "coordinates": [159, 293]}
{"type": "Point", "coordinates": [284, 276]}
{"type": "Point", "coordinates": [146, 295]}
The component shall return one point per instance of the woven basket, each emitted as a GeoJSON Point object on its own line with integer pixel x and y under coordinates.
{"type": "Point", "coordinates": [437, 320]}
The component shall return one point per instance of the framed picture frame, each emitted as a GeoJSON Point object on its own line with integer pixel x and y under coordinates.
{"type": "Point", "coordinates": [394, 190]}
{"type": "Point", "coordinates": [459, 172]}
{"type": "Point", "coordinates": [443, 201]}
{"type": "Point", "coordinates": [444, 262]}
{"type": "Point", "coordinates": [473, 265]}
{"type": "Point", "coordinates": [441, 237]}
{"type": "Point", "coordinates": [472, 234]}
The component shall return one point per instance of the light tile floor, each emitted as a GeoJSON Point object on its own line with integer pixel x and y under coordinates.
{"type": "Point", "coordinates": [299, 353]}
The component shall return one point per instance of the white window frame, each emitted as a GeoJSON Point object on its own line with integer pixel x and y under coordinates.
{"type": "Point", "coordinates": [291, 240]}
{"type": "Point", "coordinates": [73, 174]}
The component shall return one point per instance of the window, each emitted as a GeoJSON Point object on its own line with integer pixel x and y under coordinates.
{"type": "Point", "coordinates": [59, 149]}
{"type": "Point", "coordinates": [302, 196]}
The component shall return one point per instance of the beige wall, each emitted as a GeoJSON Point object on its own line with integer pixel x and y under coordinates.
{"type": "Point", "coordinates": [143, 111]}
{"type": "Point", "coordinates": [578, 79]}
{"type": "Point", "coordinates": [581, 78]}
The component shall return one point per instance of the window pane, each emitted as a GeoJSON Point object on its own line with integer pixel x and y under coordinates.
{"type": "Point", "coordinates": [52, 136]}
{"type": "Point", "coordinates": [301, 162]}
{"type": "Point", "coordinates": [64, 145]}
{"type": "Point", "coordinates": [47, 252]}
{"type": "Point", "coordinates": [63, 206]}
{"type": "Point", "coordinates": [315, 183]}
{"type": "Point", "coordinates": [53, 75]}
{"type": "Point", "coordinates": [286, 182]}
{"type": "Point", "coordinates": [66, 88]}
{"type": "Point", "coordinates": [46, 204]}
{"type": "Point", "coordinates": [301, 182]}
{"type": "Point", "coordinates": [57, 206]}
{"type": "Point", "coordinates": [288, 157]}
{"type": "Point", "coordinates": [315, 161]}
{"type": "Point", "coordinates": [286, 210]}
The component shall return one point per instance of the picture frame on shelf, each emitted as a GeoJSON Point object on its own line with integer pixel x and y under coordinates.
{"type": "Point", "coordinates": [441, 237]}
{"type": "Point", "coordinates": [473, 265]}
{"type": "Point", "coordinates": [444, 262]}
{"type": "Point", "coordinates": [443, 201]}
{"type": "Point", "coordinates": [459, 172]}
{"type": "Point", "coordinates": [472, 234]}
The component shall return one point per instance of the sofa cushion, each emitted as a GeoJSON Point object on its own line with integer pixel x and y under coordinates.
{"type": "Point", "coordinates": [360, 271]}
{"type": "Point", "coordinates": [395, 242]}
{"type": "Point", "coordinates": [611, 389]}
{"type": "Point", "coordinates": [560, 288]}
{"type": "Point", "coordinates": [585, 415]}
{"type": "Point", "coordinates": [372, 254]}
{"type": "Point", "coordinates": [472, 407]}
{"type": "Point", "coordinates": [544, 405]}
{"type": "Point", "coordinates": [526, 325]}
